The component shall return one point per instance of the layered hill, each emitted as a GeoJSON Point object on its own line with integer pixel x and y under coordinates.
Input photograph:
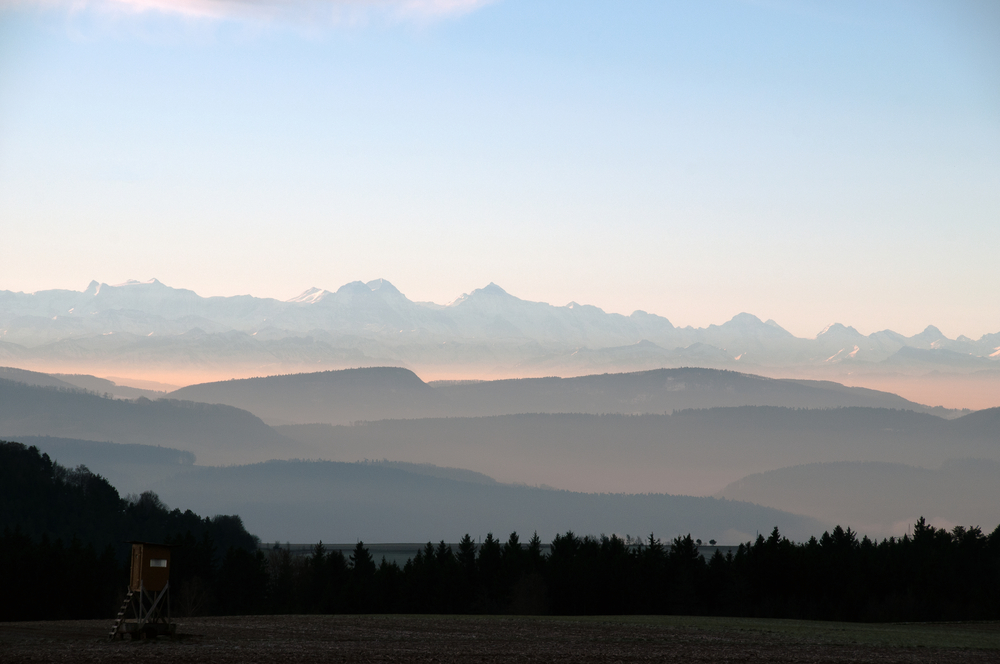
{"type": "Point", "coordinates": [130, 468]}
{"type": "Point", "coordinates": [657, 391]}
{"type": "Point", "coordinates": [694, 452]}
{"type": "Point", "coordinates": [36, 378]}
{"type": "Point", "coordinates": [689, 451]}
{"type": "Point", "coordinates": [304, 501]}
{"type": "Point", "coordinates": [341, 397]}
{"type": "Point", "coordinates": [329, 396]}
{"type": "Point", "coordinates": [80, 382]}
{"type": "Point", "coordinates": [880, 498]}
{"type": "Point", "coordinates": [105, 386]}
{"type": "Point", "coordinates": [215, 433]}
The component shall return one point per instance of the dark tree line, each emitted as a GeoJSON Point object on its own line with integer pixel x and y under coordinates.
{"type": "Point", "coordinates": [933, 574]}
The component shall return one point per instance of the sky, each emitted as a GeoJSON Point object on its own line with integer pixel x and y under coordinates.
{"type": "Point", "coordinates": [810, 162]}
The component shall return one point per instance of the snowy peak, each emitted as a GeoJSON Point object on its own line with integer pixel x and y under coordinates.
{"type": "Point", "coordinates": [645, 317]}
{"type": "Point", "coordinates": [315, 295]}
{"type": "Point", "coordinates": [153, 283]}
{"type": "Point", "coordinates": [354, 288]}
{"type": "Point", "coordinates": [837, 330]}
{"type": "Point", "coordinates": [133, 288]}
{"type": "Point", "coordinates": [310, 296]}
{"type": "Point", "coordinates": [491, 292]}
{"type": "Point", "coordinates": [491, 289]}
{"type": "Point", "coordinates": [744, 320]}
{"type": "Point", "coordinates": [584, 309]}
{"type": "Point", "coordinates": [929, 335]}
{"type": "Point", "coordinates": [383, 287]}
{"type": "Point", "coordinates": [749, 324]}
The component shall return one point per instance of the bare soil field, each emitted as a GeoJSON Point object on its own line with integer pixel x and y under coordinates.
{"type": "Point", "coordinates": [463, 639]}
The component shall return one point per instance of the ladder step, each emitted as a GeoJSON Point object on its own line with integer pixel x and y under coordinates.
{"type": "Point", "coordinates": [121, 615]}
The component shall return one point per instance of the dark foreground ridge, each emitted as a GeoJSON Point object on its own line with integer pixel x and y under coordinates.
{"type": "Point", "coordinates": [459, 639]}
{"type": "Point", "coordinates": [933, 575]}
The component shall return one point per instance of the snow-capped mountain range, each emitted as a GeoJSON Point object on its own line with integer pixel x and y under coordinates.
{"type": "Point", "coordinates": [372, 323]}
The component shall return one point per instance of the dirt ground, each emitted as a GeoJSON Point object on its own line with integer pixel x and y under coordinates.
{"type": "Point", "coordinates": [471, 640]}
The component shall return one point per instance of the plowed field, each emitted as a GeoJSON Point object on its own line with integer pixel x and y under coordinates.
{"type": "Point", "coordinates": [475, 640]}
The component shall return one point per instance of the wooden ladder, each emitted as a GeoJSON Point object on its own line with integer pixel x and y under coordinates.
{"type": "Point", "coordinates": [121, 616]}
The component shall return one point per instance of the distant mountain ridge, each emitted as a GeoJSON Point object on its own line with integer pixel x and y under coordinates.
{"type": "Point", "coordinates": [174, 334]}
{"type": "Point", "coordinates": [377, 308]}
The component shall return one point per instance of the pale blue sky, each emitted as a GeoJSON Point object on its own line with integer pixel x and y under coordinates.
{"type": "Point", "coordinates": [809, 162]}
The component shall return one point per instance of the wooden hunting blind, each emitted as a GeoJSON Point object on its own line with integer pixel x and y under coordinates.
{"type": "Point", "coordinates": [150, 567]}
{"type": "Point", "coordinates": [148, 594]}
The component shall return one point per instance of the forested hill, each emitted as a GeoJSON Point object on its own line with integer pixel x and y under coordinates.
{"type": "Point", "coordinates": [41, 498]}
